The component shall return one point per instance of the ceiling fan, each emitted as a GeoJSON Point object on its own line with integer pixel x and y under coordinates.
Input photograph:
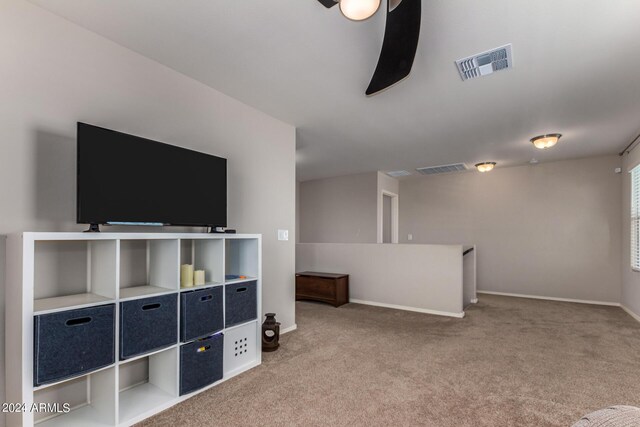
{"type": "Point", "coordinates": [400, 41]}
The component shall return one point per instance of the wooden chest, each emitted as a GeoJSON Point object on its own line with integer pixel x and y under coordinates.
{"type": "Point", "coordinates": [326, 287]}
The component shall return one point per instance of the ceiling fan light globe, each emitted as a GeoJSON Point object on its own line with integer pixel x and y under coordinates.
{"type": "Point", "coordinates": [359, 10]}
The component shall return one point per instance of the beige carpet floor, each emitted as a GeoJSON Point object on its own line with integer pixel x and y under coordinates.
{"type": "Point", "coordinates": [509, 362]}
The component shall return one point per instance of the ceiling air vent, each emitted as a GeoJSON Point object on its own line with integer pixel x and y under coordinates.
{"type": "Point", "coordinates": [432, 170]}
{"type": "Point", "coordinates": [485, 63]}
{"type": "Point", "coordinates": [396, 174]}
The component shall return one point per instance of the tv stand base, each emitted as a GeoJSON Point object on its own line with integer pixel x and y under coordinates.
{"type": "Point", "coordinates": [93, 228]}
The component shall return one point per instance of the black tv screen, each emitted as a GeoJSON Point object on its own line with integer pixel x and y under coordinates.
{"type": "Point", "coordinates": [127, 179]}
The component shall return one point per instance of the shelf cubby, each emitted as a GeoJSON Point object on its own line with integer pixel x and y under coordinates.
{"type": "Point", "coordinates": [92, 400]}
{"type": "Point", "coordinates": [147, 383]}
{"type": "Point", "coordinates": [148, 267]}
{"type": "Point", "coordinates": [204, 254]}
{"type": "Point", "coordinates": [241, 259]}
{"type": "Point", "coordinates": [73, 274]}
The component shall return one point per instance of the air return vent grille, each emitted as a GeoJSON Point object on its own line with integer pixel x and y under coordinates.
{"type": "Point", "coordinates": [485, 63]}
{"type": "Point", "coordinates": [397, 174]}
{"type": "Point", "coordinates": [433, 170]}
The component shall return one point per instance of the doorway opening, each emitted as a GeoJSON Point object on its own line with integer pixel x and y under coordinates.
{"type": "Point", "coordinates": [389, 215]}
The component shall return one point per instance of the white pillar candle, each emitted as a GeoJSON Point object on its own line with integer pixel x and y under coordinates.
{"type": "Point", "coordinates": [198, 277]}
{"type": "Point", "coordinates": [186, 275]}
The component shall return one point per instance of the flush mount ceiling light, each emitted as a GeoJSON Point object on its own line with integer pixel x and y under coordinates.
{"type": "Point", "coordinates": [359, 10]}
{"type": "Point", "coordinates": [485, 166]}
{"type": "Point", "coordinates": [546, 141]}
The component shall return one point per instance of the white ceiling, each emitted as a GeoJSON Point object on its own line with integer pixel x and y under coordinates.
{"type": "Point", "coordinates": [577, 72]}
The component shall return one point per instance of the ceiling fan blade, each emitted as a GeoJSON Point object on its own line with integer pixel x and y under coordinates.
{"type": "Point", "coordinates": [328, 3]}
{"type": "Point", "coordinates": [393, 4]}
{"type": "Point", "coordinates": [399, 46]}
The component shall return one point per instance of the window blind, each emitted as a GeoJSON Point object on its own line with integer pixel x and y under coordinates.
{"type": "Point", "coordinates": [635, 218]}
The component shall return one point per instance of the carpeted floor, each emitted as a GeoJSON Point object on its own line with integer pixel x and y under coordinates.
{"type": "Point", "coordinates": [509, 362]}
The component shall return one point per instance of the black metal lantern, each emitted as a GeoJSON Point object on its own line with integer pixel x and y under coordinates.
{"type": "Point", "coordinates": [270, 333]}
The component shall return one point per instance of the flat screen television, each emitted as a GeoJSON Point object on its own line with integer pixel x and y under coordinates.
{"type": "Point", "coordinates": [125, 179]}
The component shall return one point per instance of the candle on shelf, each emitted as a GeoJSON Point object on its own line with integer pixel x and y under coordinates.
{"type": "Point", "coordinates": [186, 275]}
{"type": "Point", "coordinates": [198, 277]}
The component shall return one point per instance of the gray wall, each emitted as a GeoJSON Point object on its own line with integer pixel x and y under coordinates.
{"type": "Point", "coordinates": [630, 279]}
{"type": "Point", "coordinates": [55, 73]}
{"type": "Point", "coordinates": [339, 210]}
{"type": "Point", "coordinates": [388, 183]}
{"type": "Point", "coordinates": [553, 229]}
{"type": "Point", "coordinates": [425, 278]}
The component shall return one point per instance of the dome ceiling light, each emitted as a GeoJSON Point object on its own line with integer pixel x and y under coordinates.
{"type": "Point", "coordinates": [542, 142]}
{"type": "Point", "coordinates": [485, 166]}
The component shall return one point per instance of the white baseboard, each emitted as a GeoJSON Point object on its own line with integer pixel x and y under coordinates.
{"type": "Point", "coordinates": [580, 301]}
{"type": "Point", "coordinates": [631, 313]}
{"type": "Point", "coordinates": [289, 329]}
{"type": "Point", "coordinates": [403, 307]}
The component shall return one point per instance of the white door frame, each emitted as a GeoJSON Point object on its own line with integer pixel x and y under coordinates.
{"type": "Point", "coordinates": [394, 215]}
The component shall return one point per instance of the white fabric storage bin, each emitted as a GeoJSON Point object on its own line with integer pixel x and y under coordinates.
{"type": "Point", "coordinates": [240, 348]}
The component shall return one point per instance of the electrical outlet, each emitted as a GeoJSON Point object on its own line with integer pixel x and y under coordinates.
{"type": "Point", "coordinates": [410, 237]}
{"type": "Point", "coordinates": [283, 234]}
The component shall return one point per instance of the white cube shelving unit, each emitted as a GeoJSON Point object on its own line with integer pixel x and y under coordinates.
{"type": "Point", "coordinates": [52, 272]}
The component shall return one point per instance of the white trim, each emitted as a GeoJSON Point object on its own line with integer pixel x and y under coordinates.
{"type": "Point", "coordinates": [579, 301]}
{"type": "Point", "coordinates": [289, 329]}
{"type": "Point", "coordinates": [394, 216]}
{"type": "Point", "coordinates": [631, 313]}
{"type": "Point", "coordinates": [405, 308]}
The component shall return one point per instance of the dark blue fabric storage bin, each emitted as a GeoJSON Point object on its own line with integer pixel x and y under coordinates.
{"type": "Point", "coordinates": [73, 342]}
{"type": "Point", "coordinates": [201, 363]}
{"type": "Point", "coordinates": [148, 324]}
{"type": "Point", "coordinates": [200, 313]}
{"type": "Point", "coordinates": [240, 303]}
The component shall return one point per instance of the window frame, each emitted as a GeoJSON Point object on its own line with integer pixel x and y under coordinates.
{"type": "Point", "coordinates": [634, 229]}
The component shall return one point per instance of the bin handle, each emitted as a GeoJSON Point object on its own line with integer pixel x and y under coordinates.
{"type": "Point", "coordinates": [151, 306]}
{"type": "Point", "coordinates": [78, 321]}
{"type": "Point", "coordinates": [204, 348]}
{"type": "Point", "coordinates": [241, 289]}
{"type": "Point", "coordinates": [206, 297]}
